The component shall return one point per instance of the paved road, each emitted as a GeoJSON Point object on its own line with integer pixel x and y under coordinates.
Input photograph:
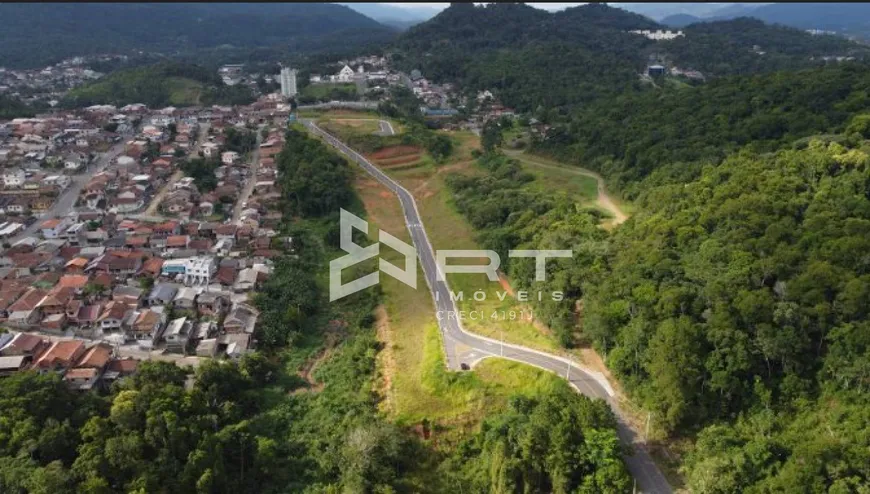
{"type": "Point", "coordinates": [252, 180]}
{"type": "Point", "coordinates": [466, 349]}
{"type": "Point", "coordinates": [386, 128]}
{"type": "Point", "coordinates": [67, 199]}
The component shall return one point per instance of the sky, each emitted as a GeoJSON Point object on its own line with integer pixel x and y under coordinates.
{"type": "Point", "coordinates": [441, 5]}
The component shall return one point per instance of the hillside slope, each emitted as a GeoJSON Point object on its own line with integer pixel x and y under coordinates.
{"type": "Point", "coordinates": [159, 85]}
{"type": "Point", "coordinates": [533, 58]}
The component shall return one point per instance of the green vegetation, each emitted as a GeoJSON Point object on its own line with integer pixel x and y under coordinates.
{"type": "Point", "coordinates": [314, 93]}
{"type": "Point", "coordinates": [561, 443]}
{"type": "Point", "coordinates": [404, 106]}
{"type": "Point", "coordinates": [510, 214]}
{"type": "Point", "coordinates": [726, 47]}
{"type": "Point", "coordinates": [13, 108]}
{"type": "Point", "coordinates": [242, 141]}
{"type": "Point", "coordinates": [536, 61]}
{"type": "Point", "coordinates": [670, 135]}
{"type": "Point", "coordinates": [159, 85]}
{"type": "Point", "coordinates": [738, 298]}
{"type": "Point", "coordinates": [202, 171]}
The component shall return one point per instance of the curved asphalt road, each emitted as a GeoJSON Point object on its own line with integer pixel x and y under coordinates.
{"type": "Point", "coordinates": [462, 347]}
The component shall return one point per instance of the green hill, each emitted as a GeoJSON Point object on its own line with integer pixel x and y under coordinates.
{"type": "Point", "coordinates": [159, 85]}
{"type": "Point", "coordinates": [533, 58]}
{"type": "Point", "coordinates": [33, 35]}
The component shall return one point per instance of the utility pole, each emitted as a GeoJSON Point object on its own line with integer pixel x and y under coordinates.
{"type": "Point", "coordinates": [568, 376]}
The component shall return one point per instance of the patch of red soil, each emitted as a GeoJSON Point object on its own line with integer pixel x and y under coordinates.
{"type": "Point", "coordinates": [401, 160]}
{"type": "Point", "coordinates": [394, 151]}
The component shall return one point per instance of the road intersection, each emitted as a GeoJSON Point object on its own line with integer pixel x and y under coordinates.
{"type": "Point", "coordinates": [463, 349]}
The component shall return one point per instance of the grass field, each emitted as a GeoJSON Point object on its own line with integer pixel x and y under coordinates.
{"type": "Point", "coordinates": [337, 113]}
{"type": "Point", "coordinates": [321, 91]}
{"type": "Point", "coordinates": [360, 125]}
{"type": "Point", "coordinates": [571, 179]}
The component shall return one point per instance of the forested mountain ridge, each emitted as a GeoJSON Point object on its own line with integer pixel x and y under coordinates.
{"type": "Point", "coordinates": [749, 46]}
{"type": "Point", "coordinates": [33, 35]}
{"type": "Point", "coordinates": [532, 58]}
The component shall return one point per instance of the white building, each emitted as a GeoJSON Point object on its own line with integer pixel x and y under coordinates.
{"type": "Point", "coordinates": [59, 181]}
{"type": "Point", "coordinates": [13, 177]}
{"type": "Point", "coordinates": [210, 149]}
{"type": "Point", "coordinates": [288, 82]}
{"type": "Point", "coordinates": [229, 157]}
{"type": "Point", "coordinates": [658, 34]}
{"type": "Point", "coordinates": [199, 270]}
{"type": "Point", "coordinates": [345, 75]}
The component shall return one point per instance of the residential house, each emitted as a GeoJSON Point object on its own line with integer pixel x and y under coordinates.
{"type": "Point", "coordinates": [229, 157]}
{"type": "Point", "coordinates": [147, 325]}
{"type": "Point", "coordinates": [13, 364]}
{"type": "Point", "coordinates": [55, 227]}
{"type": "Point", "coordinates": [213, 304]}
{"type": "Point", "coordinates": [82, 379]}
{"type": "Point", "coordinates": [119, 368]}
{"type": "Point", "coordinates": [128, 295]}
{"type": "Point", "coordinates": [61, 355]}
{"type": "Point", "coordinates": [113, 316]}
{"type": "Point", "coordinates": [25, 344]}
{"type": "Point", "coordinates": [241, 319]}
{"type": "Point", "coordinates": [13, 178]}
{"type": "Point", "coordinates": [177, 333]}
{"type": "Point", "coordinates": [246, 280]}
{"type": "Point", "coordinates": [207, 348]}
{"type": "Point", "coordinates": [162, 294]}
{"type": "Point", "coordinates": [185, 298]}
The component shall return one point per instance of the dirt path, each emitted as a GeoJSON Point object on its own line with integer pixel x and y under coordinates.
{"type": "Point", "coordinates": [157, 199]}
{"type": "Point", "coordinates": [155, 202]}
{"type": "Point", "coordinates": [604, 199]}
{"type": "Point", "coordinates": [386, 359]}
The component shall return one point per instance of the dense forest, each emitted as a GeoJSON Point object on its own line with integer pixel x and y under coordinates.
{"type": "Point", "coordinates": [159, 85]}
{"type": "Point", "coordinates": [732, 305]}
{"type": "Point", "coordinates": [749, 46]}
{"type": "Point", "coordinates": [670, 133]}
{"type": "Point", "coordinates": [741, 295]}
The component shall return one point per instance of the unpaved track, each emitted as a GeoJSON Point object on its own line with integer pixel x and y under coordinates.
{"type": "Point", "coordinates": [604, 199]}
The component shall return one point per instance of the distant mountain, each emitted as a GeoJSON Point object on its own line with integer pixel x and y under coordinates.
{"type": "Point", "coordinates": [843, 18]}
{"type": "Point", "coordinates": [732, 11]}
{"type": "Point", "coordinates": [659, 11]}
{"type": "Point", "coordinates": [34, 34]}
{"type": "Point", "coordinates": [680, 20]}
{"type": "Point", "coordinates": [395, 16]}
{"type": "Point", "coordinates": [849, 18]}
